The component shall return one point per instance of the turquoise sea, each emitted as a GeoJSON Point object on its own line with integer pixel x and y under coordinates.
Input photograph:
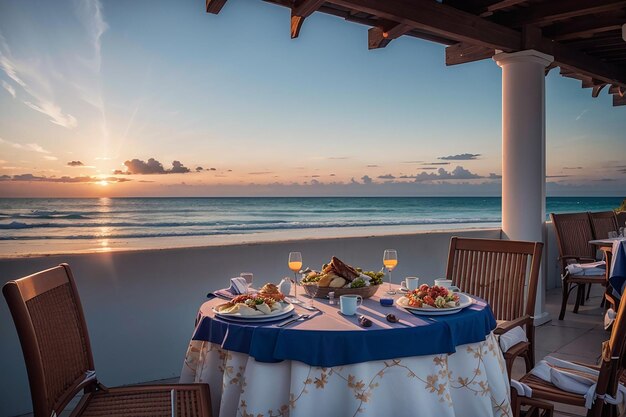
{"type": "Point", "coordinates": [141, 218]}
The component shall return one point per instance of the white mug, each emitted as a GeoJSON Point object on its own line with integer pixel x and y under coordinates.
{"type": "Point", "coordinates": [410, 283]}
{"type": "Point", "coordinates": [446, 283]}
{"type": "Point", "coordinates": [349, 303]}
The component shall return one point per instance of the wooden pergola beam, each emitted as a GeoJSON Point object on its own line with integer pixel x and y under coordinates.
{"type": "Point", "coordinates": [583, 27]}
{"type": "Point", "coordinates": [462, 53]}
{"type": "Point", "coordinates": [440, 20]}
{"type": "Point", "coordinates": [301, 10]}
{"type": "Point", "coordinates": [619, 100]}
{"type": "Point", "coordinates": [489, 10]}
{"type": "Point", "coordinates": [214, 6]}
{"type": "Point", "coordinates": [378, 37]}
{"type": "Point", "coordinates": [555, 10]}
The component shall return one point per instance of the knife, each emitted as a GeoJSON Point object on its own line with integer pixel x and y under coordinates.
{"type": "Point", "coordinates": [291, 320]}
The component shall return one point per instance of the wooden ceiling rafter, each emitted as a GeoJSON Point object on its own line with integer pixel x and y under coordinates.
{"type": "Point", "coordinates": [300, 11]}
{"type": "Point", "coordinates": [585, 49]}
{"type": "Point", "coordinates": [549, 12]}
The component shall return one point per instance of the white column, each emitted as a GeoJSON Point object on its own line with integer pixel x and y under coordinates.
{"type": "Point", "coordinates": [524, 153]}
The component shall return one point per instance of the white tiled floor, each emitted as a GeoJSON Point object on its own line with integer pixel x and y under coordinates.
{"type": "Point", "coordinates": [578, 338]}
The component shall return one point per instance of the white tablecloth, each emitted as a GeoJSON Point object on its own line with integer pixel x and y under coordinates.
{"type": "Point", "coordinates": [471, 382]}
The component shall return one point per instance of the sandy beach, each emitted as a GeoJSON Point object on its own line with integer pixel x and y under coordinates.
{"type": "Point", "coordinates": [30, 248]}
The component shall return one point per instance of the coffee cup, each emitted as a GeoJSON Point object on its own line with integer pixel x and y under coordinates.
{"type": "Point", "coordinates": [349, 303]}
{"type": "Point", "coordinates": [446, 283]}
{"type": "Point", "coordinates": [410, 283]}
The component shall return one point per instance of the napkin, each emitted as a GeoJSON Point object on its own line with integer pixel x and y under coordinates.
{"type": "Point", "coordinates": [588, 269]}
{"type": "Point", "coordinates": [511, 338]}
{"type": "Point", "coordinates": [238, 285]}
{"type": "Point", "coordinates": [609, 318]}
{"type": "Point", "coordinates": [575, 378]}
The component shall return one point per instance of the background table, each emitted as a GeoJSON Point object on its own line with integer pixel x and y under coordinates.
{"type": "Point", "coordinates": [330, 366]}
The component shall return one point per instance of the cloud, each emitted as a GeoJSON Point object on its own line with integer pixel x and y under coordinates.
{"type": "Point", "coordinates": [338, 157]}
{"type": "Point", "coordinates": [436, 163]}
{"type": "Point", "coordinates": [606, 179]}
{"type": "Point", "coordinates": [75, 164]}
{"type": "Point", "coordinates": [260, 173]}
{"type": "Point", "coordinates": [387, 177]}
{"type": "Point", "coordinates": [458, 173]}
{"type": "Point", "coordinates": [411, 162]}
{"type": "Point", "coordinates": [152, 166]}
{"type": "Point", "coordinates": [199, 169]}
{"type": "Point", "coordinates": [572, 167]}
{"type": "Point", "coordinates": [582, 114]}
{"type": "Point", "coordinates": [50, 158]}
{"type": "Point", "coordinates": [9, 88]}
{"type": "Point", "coordinates": [64, 179]}
{"type": "Point", "coordinates": [215, 169]}
{"type": "Point", "coordinates": [494, 176]}
{"type": "Point", "coordinates": [366, 179]}
{"type": "Point", "coordinates": [89, 13]}
{"type": "Point", "coordinates": [460, 157]}
{"type": "Point", "coordinates": [55, 113]}
{"type": "Point", "coordinates": [31, 147]}
{"type": "Point", "coordinates": [39, 96]}
{"type": "Point", "coordinates": [372, 166]}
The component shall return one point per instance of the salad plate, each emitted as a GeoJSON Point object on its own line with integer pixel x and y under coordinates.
{"type": "Point", "coordinates": [464, 301]}
{"type": "Point", "coordinates": [286, 309]}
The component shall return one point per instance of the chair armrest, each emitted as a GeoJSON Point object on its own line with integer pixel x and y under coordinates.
{"type": "Point", "coordinates": [580, 259]}
{"type": "Point", "coordinates": [508, 325]}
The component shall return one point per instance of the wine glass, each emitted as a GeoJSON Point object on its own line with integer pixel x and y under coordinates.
{"type": "Point", "coordinates": [311, 290]}
{"type": "Point", "coordinates": [390, 260]}
{"type": "Point", "coordinates": [295, 264]}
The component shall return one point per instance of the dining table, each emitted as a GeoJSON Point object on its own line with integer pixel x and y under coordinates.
{"type": "Point", "coordinates": [331, 365]}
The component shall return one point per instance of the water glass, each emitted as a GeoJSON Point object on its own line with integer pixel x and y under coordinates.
{"type": "Point", "coordinates": [311, 290]}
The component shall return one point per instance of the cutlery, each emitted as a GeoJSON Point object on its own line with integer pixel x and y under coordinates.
{"type": "Point", "coordinates": [310, 308]}
{"type": "Point", "coordinates": [298, 317]}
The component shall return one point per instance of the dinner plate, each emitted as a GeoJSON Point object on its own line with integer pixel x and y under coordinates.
{"type": "Point", "coordinates": [274, 315]}
{"type": "Point", "coordinates": [464, 301]}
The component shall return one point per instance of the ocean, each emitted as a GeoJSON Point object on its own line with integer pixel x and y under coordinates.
{"type": "Point", "coordinates": [136, 219]}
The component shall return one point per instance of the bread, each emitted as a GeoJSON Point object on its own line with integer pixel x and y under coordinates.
{"type": "Point", "coordinates": [271, 291]}
{"type": "Point", "coordinates": [326, 279]}
{"type": "Point", "coordinates": [338, 282]}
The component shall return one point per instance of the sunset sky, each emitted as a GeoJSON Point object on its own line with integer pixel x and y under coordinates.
{"type": "Point", "coordinates": [230, 105]}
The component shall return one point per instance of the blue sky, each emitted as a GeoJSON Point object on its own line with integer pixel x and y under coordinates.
{"type": "Point", "coordinates": [107, 83]}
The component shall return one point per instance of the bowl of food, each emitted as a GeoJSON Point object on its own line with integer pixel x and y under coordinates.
{"type": "Point", "coordinates": [340, 278]}
{"type": "Point", "coordinates": [434, 300]}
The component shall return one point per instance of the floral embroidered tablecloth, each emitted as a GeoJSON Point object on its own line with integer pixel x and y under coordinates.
{"type": "Point", "coordinates": [471, 382]}
{"type": "Point", "coordinates": [331, 366]}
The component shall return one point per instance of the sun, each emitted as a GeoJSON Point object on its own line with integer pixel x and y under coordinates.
{"type": "Point", "coordinates": [103, 183]}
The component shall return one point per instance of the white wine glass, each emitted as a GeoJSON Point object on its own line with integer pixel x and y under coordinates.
{"type": "Point", "coordinates": [390, 260]}
{"type": "Point", "coordinates": [295, 264]}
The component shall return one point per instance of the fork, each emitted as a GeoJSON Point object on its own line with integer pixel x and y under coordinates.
{"type": "Point", "coordinates": [300, 317]}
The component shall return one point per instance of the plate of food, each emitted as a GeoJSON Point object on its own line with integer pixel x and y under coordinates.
{"type": "Point", "coordinates": [341, 278]}
{"type": "Point", "coordinates": [266, 305]}
{"type": "Point", "coordinates": [434, 301]}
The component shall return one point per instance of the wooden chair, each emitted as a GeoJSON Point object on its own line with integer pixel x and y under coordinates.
{"type": "Point", "coordinates": [51, 326]}
{"type": "Point", "coordinates": [602, 223]}
{"type": "Point", "coordinates": [573, 233]}
{"type": "Point", "coordinates": [497, 270]}
{"type": "Point", "coordinates": [621, 218]}
{"type": "Point", "coordinates": [612, 365]}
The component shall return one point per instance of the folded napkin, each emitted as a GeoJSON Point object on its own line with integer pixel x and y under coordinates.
{"type": "Point", "coordinates": [617, 277]}
{"type": "Point", "coordinates": [511, 338]}
{"type": "Point", "coordinates": [588, 269]}
{"type": "Point", "coordinates": [238, 285]}
{"type": "Point", "coordinates": [577, 379]}
{"type": "Point", "coordinates": [609, 318]}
